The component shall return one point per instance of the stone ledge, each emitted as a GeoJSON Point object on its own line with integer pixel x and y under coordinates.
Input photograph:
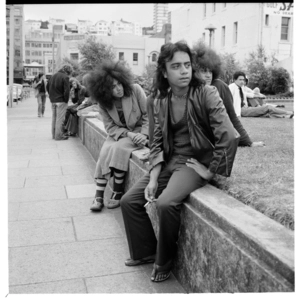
{"type": "Point", "coordinates": [224, 245]}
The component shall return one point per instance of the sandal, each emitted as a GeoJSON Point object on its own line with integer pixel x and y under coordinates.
{"type": "Point", "coordinates": [161, 273]}
{"type": "Point", "coordinates": [113, 202]}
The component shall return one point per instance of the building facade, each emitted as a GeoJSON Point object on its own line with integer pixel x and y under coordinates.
{"type": "Point", "coordinates": [84, 26]}
{"type": "Point", "coordinates": [240, 27]}
{"type": "Point", "coordinates": [137, 51]}
{"type": "Point", "coordinates": [160, 16]}
{"type": "Point", "coordinates": [124, 27]}
{"type": "Point", "coordinates": [18, 41]}
{"type": "Point", "coordinates": [39, 44]}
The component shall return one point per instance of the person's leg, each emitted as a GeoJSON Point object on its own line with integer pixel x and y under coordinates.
{"type": "Point", "coordinates": [53, 106]}
{"type": "Point", "coordinates": [139, 231]}
{"type": "Point", "coordinates": [98, 202]}
{"type": "Point", "coordinates": [279, 113]}
{"type": "Point", "coordinates": [118, 189]}
{"type": "Point", "coordinates": [39, 101]}
{"type": "Point", "coordinates": [43, 98]}
{"type": "Point", "coordinates": [61, 111]}
{"type": "Point", "coordinates": [254, 111]}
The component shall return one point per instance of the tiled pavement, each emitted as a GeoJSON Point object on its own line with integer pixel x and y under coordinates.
{"type": "Point", "coordinates": [56, 245]}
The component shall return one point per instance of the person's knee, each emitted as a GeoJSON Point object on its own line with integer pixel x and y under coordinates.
{"type": "Point", "coordinates": [125, 201]}
{"type": "Point", "coordinates": [164, 205]}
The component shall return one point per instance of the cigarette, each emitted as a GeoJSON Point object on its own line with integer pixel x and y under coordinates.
{"type": "Point", "coordinates": [146, 204]}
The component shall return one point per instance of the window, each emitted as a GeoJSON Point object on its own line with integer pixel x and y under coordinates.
{"type": "Point", "coordinates": [214, 7]}
{"type": "Point", "coordinates": [27, 44]}
{"type": "Point", "coordinates": [223, 36]}
{"type": "Point", "coordinates": [17, 12]}
{"type": "Point", "coordinates": [17, 53]}
{"type": "Point", "coordinates": [74, 56]}
{"type": "Point", "coordinates": [235, 32]}
{"type": "Point", "coordinates": [33, 44]}
{"type": "Point", "coordinates": [55, 45]}
{"type": "Point", "coordinates": [154, 57]}
{"type": "Point", "coordinates": [27, 53]}
{"type": "Point", "coordinates": [204, 9]}
{"type": "Point", "coordinates": [121, 55]}
{"type": "Point", "coordinates": [285, 28]}
{"type": "Point", "coordinates": [27, 61]}
{"type": "Point", "coordinates": [135, 58]}
{"type": "Point", "coordinates": [267, 20]}
{"type": "Point", "coordinates": [17, 31]}
{"type": "Point", "coordinates": [17, 21]}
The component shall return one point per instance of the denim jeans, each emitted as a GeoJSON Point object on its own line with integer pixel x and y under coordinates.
{"type": "Point", "coordinates": [41, 99]}
{"type": "Point", "coordinates": [58, 116]}
{"type": "Point", "coordinates": [175, 182]}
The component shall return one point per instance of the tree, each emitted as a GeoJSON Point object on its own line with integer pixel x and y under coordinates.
{"type": "Point", "coordinates": [229, 67]}
{"type": "Point", "coordinates": [75, 64]}
{"type": "Point", "coordinates": [93, 52]}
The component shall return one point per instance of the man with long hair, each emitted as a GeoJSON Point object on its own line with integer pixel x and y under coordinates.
{"type": "Point", "coordinates": [193, 139]}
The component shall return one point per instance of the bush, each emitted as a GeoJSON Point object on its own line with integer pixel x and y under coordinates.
{"type": "Point", "coordinates": [278, 80]}
{"type": "Point", "coordinates": [229, 67]}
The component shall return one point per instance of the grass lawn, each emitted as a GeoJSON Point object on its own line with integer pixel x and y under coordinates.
{"type": "Point", "coordinates": [263, 177]}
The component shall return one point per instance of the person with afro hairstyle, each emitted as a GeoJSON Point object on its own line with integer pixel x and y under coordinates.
{"type": "Point", "coordinates": [122, 107]}
{"type": "Point", "coordinates": [208, 66]}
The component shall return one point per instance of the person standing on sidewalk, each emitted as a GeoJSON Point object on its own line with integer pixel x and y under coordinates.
{"type": "Point", "coordinates": [193, 140]}
{"type": "Point", "coordinates": [59, 89]}
{"type": "Point", "coordinates": [122, 107]}
{"type": "Point", "coordinates": [40, 93]}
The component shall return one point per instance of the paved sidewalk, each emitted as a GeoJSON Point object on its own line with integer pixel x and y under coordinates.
{"type": "Point", "coordinates": [56, 245]}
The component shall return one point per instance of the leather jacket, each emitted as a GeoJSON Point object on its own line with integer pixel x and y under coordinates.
{"type": "Point", "coordinates": [213, 138]}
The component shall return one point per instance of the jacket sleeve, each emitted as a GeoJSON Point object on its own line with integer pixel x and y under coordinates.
{"type": "Point", "coordinates": [150, 112]}
{"type": "Point", "coordinates": [224, 133]}
{"type": "Point", "coordinates": [66, 89]}
{"type": "Point", "coordinates": [156, 149]}
{"type": "Point", "coordinates": [115, 131]}
{"type": "Point", "coordinates": [141, 98]}
{"type": "Point", "coordinates": [228, 103]}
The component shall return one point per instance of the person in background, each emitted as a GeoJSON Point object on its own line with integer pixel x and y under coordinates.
{"type": "Point", "coordinates": [122, 107]}
{"type": "Point", "coordinates": [208, 67]}
{"type": "Point", "coordinates": [58, 88]}
{"type": "Point", "coordinates": [241, 105]}
{"type": "Point", "coordinates": [77, 95]}
{"type": "Point", "coordinates": [40, 93]}
{"type": "Point", "coordinates": [193, 139]}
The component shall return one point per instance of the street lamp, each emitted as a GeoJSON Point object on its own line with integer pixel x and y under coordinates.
{"type": "Point", "coordinates": [211, 29]}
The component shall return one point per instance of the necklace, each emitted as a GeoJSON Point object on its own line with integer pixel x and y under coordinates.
{"type": "Point", "coordinates": [180, 96]}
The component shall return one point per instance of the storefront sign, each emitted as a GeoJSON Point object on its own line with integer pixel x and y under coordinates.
{"type": "Point", "coordinates": [74, 37]}
{"type": "Point", "coordinates": [280, 9]}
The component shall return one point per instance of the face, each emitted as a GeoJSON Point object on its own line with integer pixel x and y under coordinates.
{"type": "Point", "coordinates": [74, 84]}
{"type": "Point", "coordinates": [240, 81]}
{"type": "Point", "coordinates": [117, 89]}
{"type": "Point", "coordinates": [205, 74]}
{"type": "Point", "coordinates": [179, 70]}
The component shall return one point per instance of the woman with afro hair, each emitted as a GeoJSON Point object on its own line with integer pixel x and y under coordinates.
{"type": "Point", "coordinates": [208, 67]}
{"type": "Point", "coordinates": [122, 107]}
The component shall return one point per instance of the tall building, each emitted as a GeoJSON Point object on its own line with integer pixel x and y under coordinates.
{"type": "Point", "coordinates": [160, 16]}
{"type": "Point", "coordinates": [239, 27]}
{"type": "Point", "coordinates": [39, 45]}
{"type": "Point", "coordinates": [18, 41]}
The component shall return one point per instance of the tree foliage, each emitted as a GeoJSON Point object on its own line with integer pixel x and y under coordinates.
{"type": "Point", "coordinates": [93, 52]}
{"type": "Point", "coordinates": [229, 66]}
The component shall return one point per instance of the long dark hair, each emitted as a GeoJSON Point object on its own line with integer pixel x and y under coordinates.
{"type": "Point", "coordinates": [205, 57]}
{"type": "Point", "coordinates": [100, 82]}
{"type": "Point", "coordinates": [167, 51]}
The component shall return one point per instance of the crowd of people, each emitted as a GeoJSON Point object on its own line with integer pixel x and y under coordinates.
{"type": "Point", "coordinates": [191, 122]}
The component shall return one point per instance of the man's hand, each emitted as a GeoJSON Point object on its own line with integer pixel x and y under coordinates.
{"type": "Point", "coordinates": [150, 191]}
{"type": "Point", "coordinates": [258, 144]}
{"type": "Point", "coordinates": [202, 170]}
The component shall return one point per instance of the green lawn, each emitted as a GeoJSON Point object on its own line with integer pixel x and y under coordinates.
{"type": "Point", "coordinates": [263, 177]}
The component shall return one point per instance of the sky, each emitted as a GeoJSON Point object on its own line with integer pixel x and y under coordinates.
{"type": "Point", "coordinates": [138, 12]}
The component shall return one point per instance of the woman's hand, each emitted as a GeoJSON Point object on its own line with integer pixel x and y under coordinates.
{"type": "Point", "coordinates": [150, 191]}
{"type": "Point", "coordinates": [202, 170]}
{"type": "Point", "coordinates": [137, 138]}
{"type": "Point", "coordinates": [258, 144]}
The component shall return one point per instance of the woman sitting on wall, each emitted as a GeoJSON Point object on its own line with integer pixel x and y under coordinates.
{"type": "Point", "coordinates": [123, 111]}
{"type": "Point", "coordinates": [77, 96]}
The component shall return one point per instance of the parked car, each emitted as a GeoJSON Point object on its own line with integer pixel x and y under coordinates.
{"type": "Point", "coordinates": [17, 92]}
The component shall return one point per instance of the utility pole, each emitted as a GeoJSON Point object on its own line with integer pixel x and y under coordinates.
{"type": "Point", "coordinates": [53, 49]}
{"type": "Point", "coordinates": [11, 54]}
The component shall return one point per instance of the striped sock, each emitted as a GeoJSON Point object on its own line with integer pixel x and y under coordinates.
{"type": "Point", "coordinates": [100, 187]}
{"type": "Point", "coordinates": [118, 182]}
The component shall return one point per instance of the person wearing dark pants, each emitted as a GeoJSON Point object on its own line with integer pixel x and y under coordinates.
{"type": "Point", "coordinates": [40, 91]}
{"type": "Point", "coordinates": [59, 89]}
{"type": "Point", "coordinates": [193, 140]}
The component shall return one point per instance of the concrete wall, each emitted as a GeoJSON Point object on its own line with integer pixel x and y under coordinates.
{"type": "Point", "coordinates": [224, 245]}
